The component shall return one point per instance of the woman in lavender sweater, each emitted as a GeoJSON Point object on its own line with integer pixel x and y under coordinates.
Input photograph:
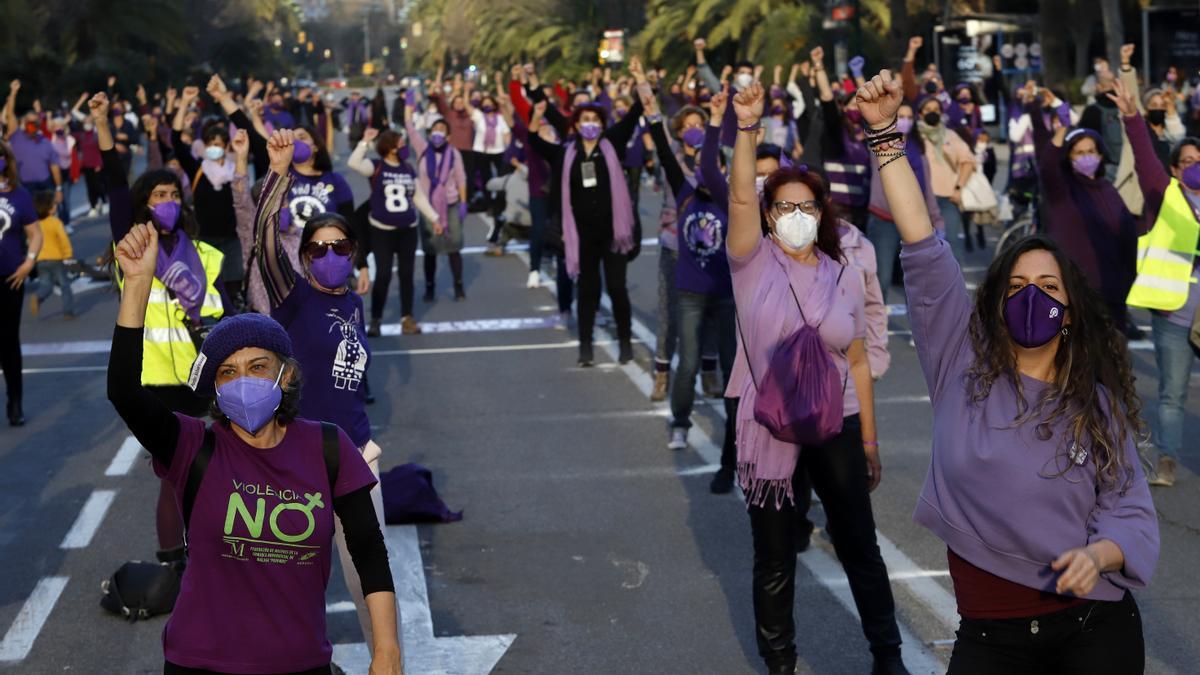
{"type": "Point", "coordinates": [1034, 480]}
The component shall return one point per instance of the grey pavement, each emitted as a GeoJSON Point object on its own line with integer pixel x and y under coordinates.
{"type": "Point", "coordinates": [583, 535]}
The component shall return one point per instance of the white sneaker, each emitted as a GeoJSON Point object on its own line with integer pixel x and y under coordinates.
{"type": "Point", "coordinates": [93, 212]}
{"type": "Point", "coordinates": [678, 439]}
{"type": "Point", "coordinates": [104, 208]}
{"type": "Point", "coordinates": [535, 280]}
{"type": "Point", "coordinates": [562, 321]}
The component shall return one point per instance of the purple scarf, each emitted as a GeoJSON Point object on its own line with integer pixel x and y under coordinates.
{"type": "Point", "coordinates": [622, 207]}
{"type": "Point", "coordinates": [434, 177]}
{"type": "Point", "coordinates": [765, 465]}
{"type": "Point", "coordinates": [183, 274]}
{"type": "Point", "coordinates": [489, 133]}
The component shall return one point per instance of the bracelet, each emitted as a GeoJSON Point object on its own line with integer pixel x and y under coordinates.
{"type": "Point", "coordinates": [753, 127]}
{"type": "Point", "coordinates": [871, 444]}
{"type": "Point", "coordinates": [890, 126]}
{"type": "Point", "coordinates": [896, 157]}
{"type": "Point", "coordinates": [884, 140]}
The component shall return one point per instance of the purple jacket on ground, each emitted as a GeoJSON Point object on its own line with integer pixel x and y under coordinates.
{"type": "Point", "coordinates": [992, 492]}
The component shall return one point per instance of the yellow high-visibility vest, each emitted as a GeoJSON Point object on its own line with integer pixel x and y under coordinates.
{"type": "Point", "coordinates": [167, 349]}
{"type": "Point", "coordinates": [1166, 254]}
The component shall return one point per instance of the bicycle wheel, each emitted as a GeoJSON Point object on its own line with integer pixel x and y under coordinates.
{"type": "Point", "coordinates": [1014, 233]}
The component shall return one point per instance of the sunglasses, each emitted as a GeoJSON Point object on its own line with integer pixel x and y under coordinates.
{"type": "Point", "coordinates": [317, 249]}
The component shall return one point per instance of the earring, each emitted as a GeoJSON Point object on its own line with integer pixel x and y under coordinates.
{"type": "Point", "coordinates": [1066, 331]}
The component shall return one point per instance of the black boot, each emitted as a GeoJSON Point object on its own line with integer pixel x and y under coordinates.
{"type": "Point", "coordinates": [374, 329]}
{"type": "Point", "coordinates": [459, 292]}
{"type": "Point", "coordinates": [586, 358]}
{"type": "Point", "coordinates": [16, 416]}
{"type": "Point", "coordinates": [429, 293]}
{"type": "Point", "coordinates": [626, 352]}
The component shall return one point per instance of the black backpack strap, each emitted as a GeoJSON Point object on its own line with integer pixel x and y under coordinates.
{"type": "Point", "coordinates": [332, 451]}
{"type": "Point", "coordinates": [196, 474]}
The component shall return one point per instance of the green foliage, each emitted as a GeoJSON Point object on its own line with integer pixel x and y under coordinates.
{"type": "Point", "coordinates": [59, 48]}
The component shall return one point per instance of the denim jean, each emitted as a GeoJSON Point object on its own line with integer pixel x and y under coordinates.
{"type": "Point", "coordinates": [64, 208]}
{"type": "Point", "coordinates": [667, 333]}
{"type": "Point", "coordinates": [699, 315]}
{"type": "Point", "coordinates": [1173, 355]}
{"type": "Point", "coordinates": [695, 309]}
{"type": "Point", "coordinates": [50, 273]}
{"type": "Point", "coordinates": [884, 236]}
{"type": "Point", "coordinates": [952, 216]}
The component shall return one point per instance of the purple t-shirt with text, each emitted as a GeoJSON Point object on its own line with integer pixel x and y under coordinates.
{"type": "Point", "coordinates": [16, 212]}
{"type": "Point", "coordinates": [313, 195]}
{"type": "Point", "coordinates": [392, 189]}
{"type": "Point", "coordinates": [329, 340]}
{"type": "Point", "coordinates": [259, 550]}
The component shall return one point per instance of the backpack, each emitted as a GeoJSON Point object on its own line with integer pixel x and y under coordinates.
{"type": "Point", "coordinates": [141, 589]}
{"type": "Point", "coordinates": [799, 400]}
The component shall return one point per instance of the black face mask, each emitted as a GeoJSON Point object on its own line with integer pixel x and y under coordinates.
{"type": "Point", "coordinates": [932, 118]}
{"type": "Point", "coordinates": [1156, 117]}
{"type": "Point", "coordinates": [931, 87]}
{"type": "Point", "coordinates": [1104, 101]}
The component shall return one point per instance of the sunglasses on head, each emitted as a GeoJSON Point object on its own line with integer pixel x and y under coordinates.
{"type": "Point", "coordinates": [318, 249]}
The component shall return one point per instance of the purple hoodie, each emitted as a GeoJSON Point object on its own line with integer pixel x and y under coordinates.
{"type": "Point", "coordinates": [991, 492]}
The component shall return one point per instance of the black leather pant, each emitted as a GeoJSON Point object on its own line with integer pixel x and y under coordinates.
{"type": "Point", "coordinates": [838, 472]}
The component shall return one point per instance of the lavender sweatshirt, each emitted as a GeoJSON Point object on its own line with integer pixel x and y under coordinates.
{"type": "Point", "coordinates": [991, 492]}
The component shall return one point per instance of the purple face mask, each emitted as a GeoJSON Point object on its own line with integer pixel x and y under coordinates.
{"type": "Point", "coordinates": [166, 215]}
{"type": "Point", "coordinates": [402, 153]}
{"type": "Point", "coordinates": [1190, 176]}
{"type": "Point", "coordinates": [776, 110]}
{"type": "Point", "coordinates": [693, 137]}
{"type": "Point", "coordinates": [331, 269]}
{"type": "Point", "coordinates": [437, 138]}
{"type": "Point", "coordinates": [487, 108]}
{"type": "Point", "coordinates": [250, 402]}
{"type": "Point", "coordinates": [904, 125]}
{"type": "Point", "coordinates": [1033, 317]}
{"type": "Point", "coordinates": [302, 152]}
{"type": "Point", "coordinates": [1086, 165]}
{"type": "Point", "coordinates": [590, 130]}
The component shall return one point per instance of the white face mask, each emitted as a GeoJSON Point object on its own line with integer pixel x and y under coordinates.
{"type": "Point", "coordinates": [743, 80]}
{"type": "Point", "coordinates": [796, 230]}
{"type": "Point", "coordinates": [759, 182]}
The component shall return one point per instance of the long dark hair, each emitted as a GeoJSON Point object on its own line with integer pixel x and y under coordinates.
{"type": "Point", "coordinates": [10, 165]}
{"type": "Point", "coordinates": [828, 240]}
{"type": "Point", "coordinates": [321, 161]}
{"type": "Point", "coordinates": [145, 184]}
{"type": "Point", "coordinates": [1092, 356]}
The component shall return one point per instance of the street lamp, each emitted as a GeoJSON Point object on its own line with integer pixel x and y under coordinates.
{"type": "Point", "coordinates": [328, 53]}
{"type": "Point", "coordinates": [278, 42]}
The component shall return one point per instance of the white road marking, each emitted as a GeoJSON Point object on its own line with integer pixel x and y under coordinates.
{"type": "Point", "coordinates": [917, 657]}
{"type": "Point", "coordinates": [126, 455]}
{"type": "Point", "coordinates": [339, 607]}
{"type": "Point", "coordinates": [423, 652]}
{"type": "Point", "coordinates": [89, 519]}
{"type": "Point", "coordinates": [25, 628]}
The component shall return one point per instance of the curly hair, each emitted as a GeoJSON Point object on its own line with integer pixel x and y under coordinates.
{"type": "Point", "coordinates": [1093, 388]}
{"type": "Point", "coordinates": [289, 403]}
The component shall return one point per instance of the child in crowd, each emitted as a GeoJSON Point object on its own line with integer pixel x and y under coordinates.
{"type": "Point", "coordinates": [52, 260]}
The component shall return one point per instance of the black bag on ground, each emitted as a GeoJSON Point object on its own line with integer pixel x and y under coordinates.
{"type": "Point", "coordinates": [140, 590]}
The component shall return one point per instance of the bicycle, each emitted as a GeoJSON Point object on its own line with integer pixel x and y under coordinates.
{"type": "Point", "coordinates": [1023, 224]}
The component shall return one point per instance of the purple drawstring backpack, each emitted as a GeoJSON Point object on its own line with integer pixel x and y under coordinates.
{"type": "Point", "coordinates": [799, 400]}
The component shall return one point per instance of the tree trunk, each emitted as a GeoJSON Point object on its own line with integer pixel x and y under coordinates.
{"type": "Point", "coordinates": [900, 30]}
{"type": "Point", "coordinates": [1114, 31]}
{"type": "Point", "coordinates": [1053, 16]}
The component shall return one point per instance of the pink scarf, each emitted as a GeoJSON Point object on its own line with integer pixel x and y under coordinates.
{"type": "Point", "coordinates": [490, 120]}
{"type": "Point", "coordinates": [622, 206]}
{"type": "Point", "coordinates": [433, 176]}
{"type": "Point", "coordinates": [765, 464]}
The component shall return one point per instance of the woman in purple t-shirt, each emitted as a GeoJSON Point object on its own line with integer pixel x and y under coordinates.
{"type": "Point", "coordinates": [1034, 479]}
{"type": "Point", "coordinates": [324, 319]}
{"type": "Point", "coordinates": [787, 272]}
{"type": "Point", "coordinates": [17, 218]}
{"type": "Point", "coordinates": [391, 212]}
{"type": "Point", "coordinates": [261, 516]}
